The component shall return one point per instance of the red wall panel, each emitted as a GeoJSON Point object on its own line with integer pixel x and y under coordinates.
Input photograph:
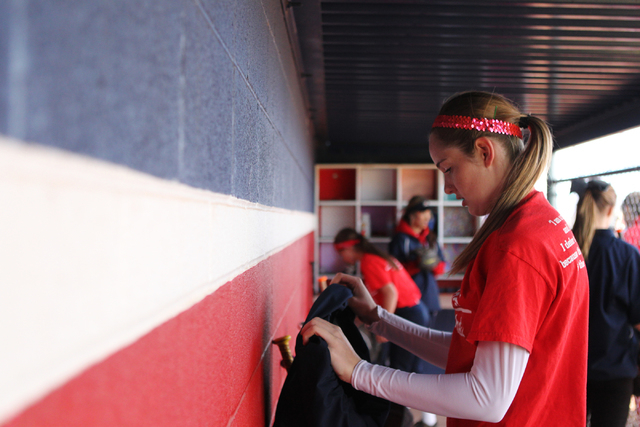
{"type": "Point", "coordinates": [212, 365]}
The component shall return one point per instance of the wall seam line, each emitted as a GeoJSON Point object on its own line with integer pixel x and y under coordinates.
{"type": "Point", "coordinates": [262, 356]}
{"type": "Point", "coordinates": [252, 90]}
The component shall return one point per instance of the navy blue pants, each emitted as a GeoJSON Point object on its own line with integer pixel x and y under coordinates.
{"type": "Point", "coordinates": [608, 402]}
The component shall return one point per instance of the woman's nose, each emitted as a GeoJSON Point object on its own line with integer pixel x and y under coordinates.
{"type": "Point", "coordinates": [448, 187]}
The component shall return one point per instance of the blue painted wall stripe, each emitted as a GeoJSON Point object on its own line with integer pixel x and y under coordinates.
{"type": "Point", "coordinates": [203, 92]}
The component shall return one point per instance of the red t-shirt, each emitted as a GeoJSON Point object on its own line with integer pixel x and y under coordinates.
{"type": "Point", "coordinates": [528, 286]}
{"type": "Point", "coordinates": [376, 273]}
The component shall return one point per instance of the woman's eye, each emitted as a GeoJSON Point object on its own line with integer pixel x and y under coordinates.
{"type": "Point", "coordinates": [447, 170]}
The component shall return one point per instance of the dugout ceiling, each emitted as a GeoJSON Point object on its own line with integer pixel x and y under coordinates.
{"type": "Point", "coordinates": [378, 71]}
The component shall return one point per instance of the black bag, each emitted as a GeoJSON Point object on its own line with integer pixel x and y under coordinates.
{"type": "Point", "coordinates": [428, 257]}
{"type": "Point", "coordinates": [312, 394]}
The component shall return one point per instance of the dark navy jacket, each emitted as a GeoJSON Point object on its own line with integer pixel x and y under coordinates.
{"type": "Point", "coordinates": [312, 394]}
{"type": "Point", "coordinates": [614, 307]}
{"type": "Point", "coordinates": [403, 247]}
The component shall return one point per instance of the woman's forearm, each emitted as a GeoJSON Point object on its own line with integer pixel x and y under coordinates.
{"type": "Point", "coordinates": [428, 344]}
{"type": "Point", "coordinates": [483, 394]}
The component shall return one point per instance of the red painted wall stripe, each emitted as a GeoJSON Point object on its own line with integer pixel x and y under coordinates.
{"type": "Point", "coordinates": [212, 365]}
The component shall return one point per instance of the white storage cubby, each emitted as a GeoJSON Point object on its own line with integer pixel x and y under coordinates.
{"type": "Point", "coordinates": [371, 198]}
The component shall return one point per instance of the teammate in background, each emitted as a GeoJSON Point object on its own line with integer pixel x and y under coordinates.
{"type": "Point", "coordinates": [390, 285]}
{"type": "Point", "coordinates": [415, 246]}
{"type": "Point", "coordinates": [518, 354]}
{"type": "Point", "coordinates": [614, 306]}
{"type": "Point", "coordinates": [392, 289]}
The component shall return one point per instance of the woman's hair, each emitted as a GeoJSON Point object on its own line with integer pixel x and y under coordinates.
{"type": "Point", "coordinates": [363, 245]}
{"type": "Point", "coordinates": [411, 208]}
{"type": "Point", "coordinates": [415, 204]}
{"type": "Point", "coordinates": [596, 199]}
{"type": "Point", "coordinates": [529, 161]}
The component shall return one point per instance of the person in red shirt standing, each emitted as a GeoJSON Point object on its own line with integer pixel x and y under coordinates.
{"type": "Point", "coordinates": [518, 353]}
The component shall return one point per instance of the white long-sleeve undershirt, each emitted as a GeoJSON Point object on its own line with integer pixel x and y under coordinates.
{"type": "Point", "coordinates": [484, 394]}
{"type": "Point", "coordinates": [428, 344]}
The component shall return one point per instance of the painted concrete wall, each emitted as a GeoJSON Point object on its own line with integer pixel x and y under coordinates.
{"type": "Point", "coordinates": [156, 174]}
{"type": "Point", "coordinates": [204, 92]}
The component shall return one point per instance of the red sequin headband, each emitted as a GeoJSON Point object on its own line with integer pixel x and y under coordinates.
{"type": "Point", "coordinates": [483, 125]}
{"type": "Point", "coordinates": [346, 244]}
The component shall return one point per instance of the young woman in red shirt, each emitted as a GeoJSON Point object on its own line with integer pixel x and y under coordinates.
{"type": "Point", "coordinates": [414, 245]}
{"type": "Point", "coordinates": [518, 354]}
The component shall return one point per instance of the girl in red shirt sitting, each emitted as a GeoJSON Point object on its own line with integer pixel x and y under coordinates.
{"type": "Point", "coordinates": [390, 286]}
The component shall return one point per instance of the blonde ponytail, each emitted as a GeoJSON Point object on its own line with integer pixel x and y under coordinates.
{"type": "Point", "coordinates": [585, 228]}
{"type": "Point", "coordinates": [529, 161]}
{"type": "Point", "coordinates": [596, 199]}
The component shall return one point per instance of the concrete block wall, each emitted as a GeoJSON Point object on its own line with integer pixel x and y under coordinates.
{"type": "Point", "coordinates": [156, 170]}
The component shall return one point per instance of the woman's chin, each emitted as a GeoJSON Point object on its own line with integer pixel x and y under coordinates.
{"type": "Point", "coordinates": [475, 211]}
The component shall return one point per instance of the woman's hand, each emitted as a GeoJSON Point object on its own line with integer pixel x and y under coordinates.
{"type": "Point", "coordinates": [361, 303]}
{"type": "Point", "coordinates": [343, 358]}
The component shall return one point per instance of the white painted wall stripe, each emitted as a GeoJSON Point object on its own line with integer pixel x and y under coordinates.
{"type": "Point", "coordinates": [95, 255]}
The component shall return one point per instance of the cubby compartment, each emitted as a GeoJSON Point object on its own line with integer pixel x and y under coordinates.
{"type": "Point", "coordinates": [337, 184]}
{"type": "Point", "coordinates": [419, 182]}
{"type": "Point", "coordinates": [451, 252]}
{"type": "Point", "coordinates": [458, 222]}
{"type": "Point", "coordinates": [335, 218]}
{"type": "Point", "coordinates": [330, 262]}
{"type": "Point", "coordinates": [378, 184]}
{"type": "Point", "coordinates": [382, 220]}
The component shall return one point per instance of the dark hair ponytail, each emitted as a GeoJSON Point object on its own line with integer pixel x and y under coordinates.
{"type": "Point", "coordinates": [363, 245]}
{"type": "Point", "coordinates": [528, 161]}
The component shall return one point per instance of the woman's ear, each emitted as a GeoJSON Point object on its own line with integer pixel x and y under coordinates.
{"type": "Point", "coordinates": [486, 150]}
{"type": "Point", "coordinates": [610, 211]}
